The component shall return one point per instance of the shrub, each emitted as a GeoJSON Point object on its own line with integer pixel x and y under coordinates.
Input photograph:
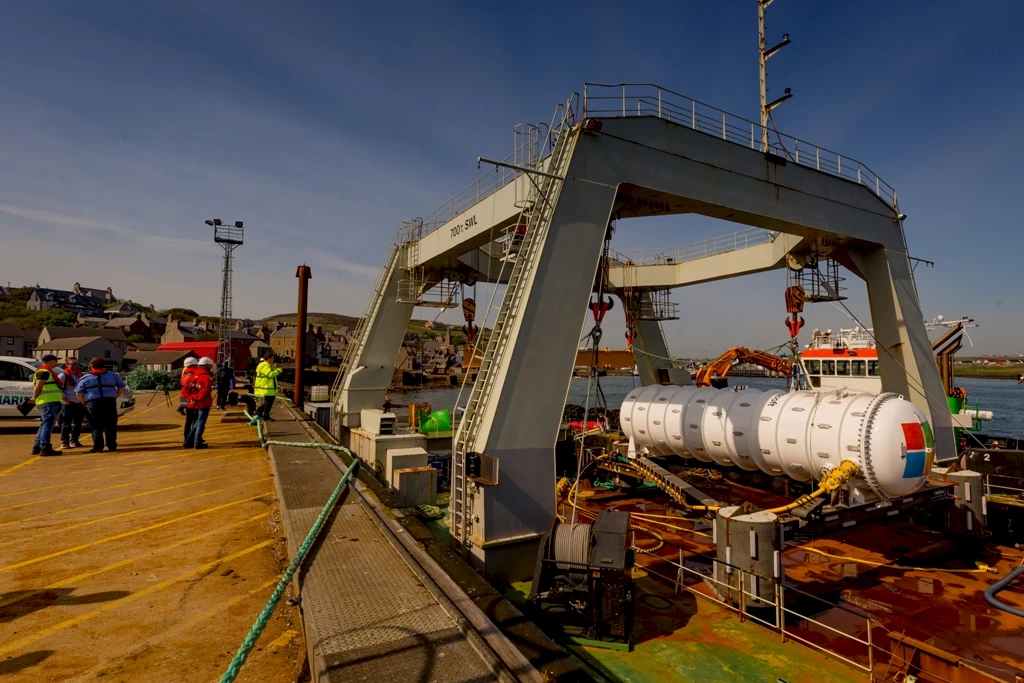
{"type": "Point", "coordinates": [144, 379]}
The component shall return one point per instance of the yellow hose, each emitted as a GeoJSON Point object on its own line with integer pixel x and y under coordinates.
{"type": "Point", "coordinates": [834, 479]}
{"type": "Point", "coordinates": [980, 567]}
{"type": "Point", "coordinates": [649, 520]}
{"type": "Point", "coordinates": [578, 478]}
{"type": "Point", "coordinates": [846, 471]}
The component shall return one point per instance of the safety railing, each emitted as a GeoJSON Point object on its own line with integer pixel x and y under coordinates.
{"type": "Point", "coordinates": [711, 247]}
{"type": "Point", "coordinates": [492, 181]}
{"type": "Point", "coordinates": [838, 632]}
{"type": "Point", "coordinates": [1000, 488]}
{"type": "Point", "coordinates": [646, 99]}
{"type": "Point", "coordinates": [480, 189]}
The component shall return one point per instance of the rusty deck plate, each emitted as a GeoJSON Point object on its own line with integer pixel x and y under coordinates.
{"type": "Point", "coordinates": [937, 599]}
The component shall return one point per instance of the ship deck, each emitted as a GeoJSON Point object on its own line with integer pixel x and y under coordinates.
{"type": "Point", "coordinates": [914, 585]}
{"type": "Point", "coordinates": [146, 564]}
{"type": "Point", "coordinates": [152, 562]}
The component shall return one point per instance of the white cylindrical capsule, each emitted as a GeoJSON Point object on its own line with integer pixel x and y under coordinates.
{"type": "Point", "coordinates": [801, 434]}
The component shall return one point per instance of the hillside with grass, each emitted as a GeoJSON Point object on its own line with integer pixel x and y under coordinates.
{"type": "Point", "coordinates": [333, 321]}
{"type": "Point", "coordinates": [329, 321]}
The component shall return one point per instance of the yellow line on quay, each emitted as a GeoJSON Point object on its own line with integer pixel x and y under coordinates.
{"type": "Point", "coordinates": [129, 513]}
{"type": "Point", "coordinates": [103, 667]}
{"type": "Point", "coordinates": [75, 621]}
{"type": "Point", "coordinates": [18, 506]}
{"type": "Point", "coordinates": [49, 515]}
{"type": "Point", "coordinates": [126, 534]}
{"type": "Point", "coordinates": [181, 453]}
{"type": "Point", "coordinates": [78, 578]}
{"type": "Point", "coordinates": [111, 476]}
{"type": "Point", "coordinates": [20, 465]}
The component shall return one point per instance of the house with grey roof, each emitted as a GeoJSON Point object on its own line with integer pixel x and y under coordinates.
{"type": "Point", "coordinates": [50, 333]}
{"type": "Point", "coordinates": [83, 348]}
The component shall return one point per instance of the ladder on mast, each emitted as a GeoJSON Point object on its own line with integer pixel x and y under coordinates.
{"type": "Point", "coordinates": [543, 197]}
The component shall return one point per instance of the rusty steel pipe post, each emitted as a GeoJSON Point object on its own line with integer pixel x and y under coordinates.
{"type": "Point", "coordinates": [304, 274]}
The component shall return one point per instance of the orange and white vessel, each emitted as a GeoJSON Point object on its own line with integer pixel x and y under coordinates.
{"type": "Point", "coordinates": [844, 360]}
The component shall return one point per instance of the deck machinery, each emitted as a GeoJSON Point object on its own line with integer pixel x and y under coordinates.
{"type": "Point", "coordinates": [618, 152]}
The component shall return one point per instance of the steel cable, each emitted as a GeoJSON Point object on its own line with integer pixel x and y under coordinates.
{"type": "Point", "coordinates": [572, 550]}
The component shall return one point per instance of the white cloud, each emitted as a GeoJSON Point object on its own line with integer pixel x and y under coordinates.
{"type": "Point", "coordinates": [346, 266]}
{"type": "Point", "coordinates": [74, 224]}
{"type": "Point", "coordinates": [52, 218]}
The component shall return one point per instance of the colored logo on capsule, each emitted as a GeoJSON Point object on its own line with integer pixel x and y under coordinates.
{"type": "Point", "coordinates": [920, 446]}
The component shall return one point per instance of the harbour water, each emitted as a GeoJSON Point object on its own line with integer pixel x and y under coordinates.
{"type": "Point", "coordinates": [1004, 398]}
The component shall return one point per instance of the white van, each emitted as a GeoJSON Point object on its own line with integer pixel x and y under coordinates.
{"type": "Point", "coordinates": [16, 387]}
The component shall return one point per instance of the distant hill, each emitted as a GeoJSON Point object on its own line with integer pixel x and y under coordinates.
{"type": "Point", "coordinates": [329, 321]}
{"type": "Point", "coordinates": [333, 321]}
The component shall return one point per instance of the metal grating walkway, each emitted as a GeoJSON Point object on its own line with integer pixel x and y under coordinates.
{"type": "Point", "coordinates": [367, 615]}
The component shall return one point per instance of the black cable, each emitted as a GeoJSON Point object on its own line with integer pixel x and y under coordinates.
{"type": "Point", "coordinates": [1001, 584]}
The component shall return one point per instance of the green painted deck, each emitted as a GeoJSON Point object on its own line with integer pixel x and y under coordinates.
{"type": "Point", "coordinates": [685, 638]}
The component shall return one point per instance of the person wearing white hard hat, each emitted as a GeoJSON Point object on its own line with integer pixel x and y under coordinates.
{"type": "Point", "coordinates": [191, 363]}
{"type": "Point", "coordinates": [197, 390]}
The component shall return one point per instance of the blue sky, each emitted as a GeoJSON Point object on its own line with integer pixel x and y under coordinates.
{"type": "Point", "coordinates": [124, 125]}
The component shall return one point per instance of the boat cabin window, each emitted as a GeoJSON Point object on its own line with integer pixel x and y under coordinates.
{"type": "Point", "coordinates": [813, 367]}
{"type": "Point", "coordinates": [873, 369]}
{"type": "Point", "coordinates": [842, 367]}
{"type": "Point", "coordinates": [828, 367]}
{"type": "Point", "coordinates": [858, 368]}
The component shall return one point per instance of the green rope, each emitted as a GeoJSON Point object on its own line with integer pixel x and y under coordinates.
{"type": "Point", "coordinates": [261, 621]}
{"type": "Point", "coordinates": [258, 421]}
{"type": "Point", "coordinates": [429, 512]}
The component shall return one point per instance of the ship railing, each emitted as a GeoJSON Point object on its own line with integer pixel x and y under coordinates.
{"type": "Point", "coordinates": [722, 244]}
{"type": "Point", "coordinates": [806, 626]}
{"type": "Point", "coordinates": [1002, 490]}
{"type": "Point", "coordinates": [493, 180]}
{"type": "Point", "coordinates": [601, 100]}
{"type": "Point", "coordinates": [474, 193]}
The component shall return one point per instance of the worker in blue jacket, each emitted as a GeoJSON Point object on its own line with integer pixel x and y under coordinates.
{"type": "Point", "coordinates": [99, 391]}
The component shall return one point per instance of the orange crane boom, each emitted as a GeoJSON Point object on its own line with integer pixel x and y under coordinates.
{"type": "Point", "coordinates": [721, 366]}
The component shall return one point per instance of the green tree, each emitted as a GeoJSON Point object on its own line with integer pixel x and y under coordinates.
{"type": "Point", "coordinates": [35, 320]}
{"type": "Point", "coordinates": [178, 313]}
{"type": "Point", "coordinates": [17, 296]}
{"type": "Point", "coordinates": [136, 338]}
{"type": "Point", "coordinates": [207, 337]}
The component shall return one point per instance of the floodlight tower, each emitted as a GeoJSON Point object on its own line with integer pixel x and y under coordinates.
{"type": "Point", "coordinates": [228, 237]}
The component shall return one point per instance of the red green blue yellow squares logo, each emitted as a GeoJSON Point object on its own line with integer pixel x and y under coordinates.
{"type": "Point", "coordinates": [919, 444]}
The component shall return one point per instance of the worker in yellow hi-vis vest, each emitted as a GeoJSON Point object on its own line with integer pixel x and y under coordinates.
{"type": "Point", "coordinates": [48, 397]}
{"type": "Point", "coordinates": [265, 385]}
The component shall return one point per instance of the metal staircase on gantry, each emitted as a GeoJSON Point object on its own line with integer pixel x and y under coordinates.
{"type": "Point", "coordinates": [373, 304]}
{"type": "Point", "coordinates": [537, 215]}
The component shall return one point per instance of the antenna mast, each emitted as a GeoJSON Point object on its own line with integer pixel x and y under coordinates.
{"type": "Point", "coordinates": [763, 56]}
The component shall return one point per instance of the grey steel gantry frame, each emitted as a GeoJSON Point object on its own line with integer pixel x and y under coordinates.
{"type": "Point", "coordinates": [656, 155]}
